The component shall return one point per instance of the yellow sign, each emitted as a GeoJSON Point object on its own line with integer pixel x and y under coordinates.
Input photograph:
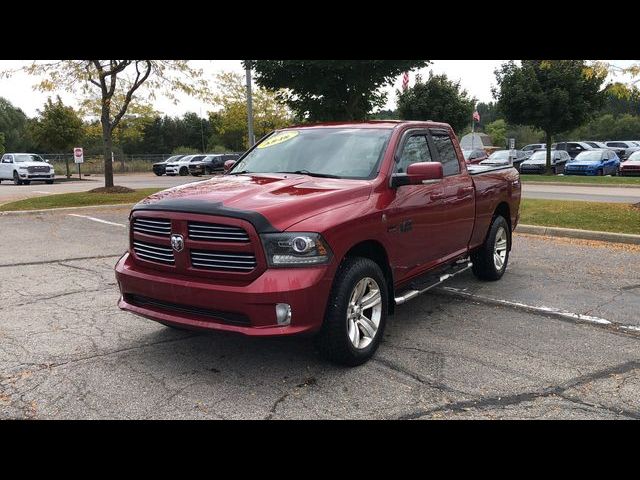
{"type": "Point", "coordinates": [278, 138]}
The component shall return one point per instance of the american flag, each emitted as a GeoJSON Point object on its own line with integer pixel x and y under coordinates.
{"type": "Point", "coordinates": [405, 81]}
{"type": "Point", "coordinates": [476, 116]}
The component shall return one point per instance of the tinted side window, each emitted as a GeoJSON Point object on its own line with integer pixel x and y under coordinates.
{"type": "Point", "coordinates": [415, 150]}
{"type": "Point", "coordinates": [447, 153]}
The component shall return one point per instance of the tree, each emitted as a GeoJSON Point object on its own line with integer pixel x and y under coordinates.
{"type": "Point", "coordinates": [552, 95]}
{"type": "Point", "coordinates": [488, 113]}
{"type": "Point", "coordinates": [323, 90]}
{"type": "Point", "coordinates": [2, 150]}
{"type": "Point", "coordinates": [14, 126]}
{"type": "Point", "coordinates": [497, 130]}
{"type": "Point", "coordinates": [438, 99]}
{"type": "Point", "coordinates": [59, 128]}
{"type": "Point", "coordinates": [229, 123]}
{"type": "Point", "coordinates": [116, 82]}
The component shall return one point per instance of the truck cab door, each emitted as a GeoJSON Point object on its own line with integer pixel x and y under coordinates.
{"type": "Point", "coordinates": [459, 201]}
{"type": "Point", "coordinates": [415, 213]}
{"type": "Point", "coordinates": [6, 164]}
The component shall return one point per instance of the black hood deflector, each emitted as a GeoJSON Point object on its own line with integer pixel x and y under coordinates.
{"type": "Point", "coordinates": [184, 205]}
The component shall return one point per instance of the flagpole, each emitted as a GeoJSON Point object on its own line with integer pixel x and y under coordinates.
{"type": "Point", "coordinates": [473, 125]}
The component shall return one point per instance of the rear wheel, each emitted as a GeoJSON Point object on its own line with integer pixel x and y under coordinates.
{"type": "Point", "coordinates": [490, 260]}
{"type": "Point", "coordinates": [356, 314]}
{"type": "Point", "coordinates": [16, 179]}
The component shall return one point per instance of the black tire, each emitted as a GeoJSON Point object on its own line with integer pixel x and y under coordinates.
{"type": "Point", "coordinates": [26, 182]}
{"type": "Point", "coordinates": [600, 172]}
{"type": "Point", "coordinates": [184, 171]}
{"type": "Point", "coordinates": [615, 173]}
{"type": "Point", "coordinates": [158, 174]}
{"type": "Point", "coordinates": [484, 266]}
{"type": "Point", "coordinates": [16, 179]}
{"type": "Point", "coordinates": [49, 182]}
{"type": "Point", "coordinates": [333, 340]}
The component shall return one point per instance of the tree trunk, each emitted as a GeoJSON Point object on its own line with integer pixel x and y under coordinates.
{"type": "Point", "coordinates": [548, 140]}
{"type": "Point", "coordinates": [108, 165]}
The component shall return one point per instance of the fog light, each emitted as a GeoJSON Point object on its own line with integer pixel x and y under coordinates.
{"type": "Point", "coordinates": [283, 313]}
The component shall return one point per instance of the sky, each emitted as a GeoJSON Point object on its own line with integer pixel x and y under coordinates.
{"type": "Point", "coordinates": [475, 76]}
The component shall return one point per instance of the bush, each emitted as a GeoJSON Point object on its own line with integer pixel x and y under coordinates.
{"type": "Point", "coordinates": [185, 151]}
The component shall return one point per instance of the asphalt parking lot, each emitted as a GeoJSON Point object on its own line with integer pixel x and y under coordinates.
{"type": "Point", "coordinates": [470, 350]}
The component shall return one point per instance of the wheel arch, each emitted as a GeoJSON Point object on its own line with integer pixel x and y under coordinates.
{"type": "Point", "coordinates": [375, 251]}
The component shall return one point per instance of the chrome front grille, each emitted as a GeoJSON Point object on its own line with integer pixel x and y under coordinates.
{"type": "Point", "coordinates": [216, 233]}
{"type": "Point", "coordinates": [232, 261]}
{"type": "Point", "coordinates": [154, 253]}
{"type": "Point", "coordinates": [152, 226]}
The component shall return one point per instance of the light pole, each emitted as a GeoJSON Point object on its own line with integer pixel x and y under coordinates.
{"type": "Point", "coordinates": [249, 105]}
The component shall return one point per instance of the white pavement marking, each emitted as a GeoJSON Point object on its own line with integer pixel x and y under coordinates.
{"type": "Point", "coordinates": [40, 191]}
{"type": "Point", "coordinates": [556, 312]}
{"type": "Point", "coordinates": [97, 220]}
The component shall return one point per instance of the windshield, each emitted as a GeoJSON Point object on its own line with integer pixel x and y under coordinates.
{"type": "Point", "coordinates": [333, 152]}
{"type": "Point", "coordinates": [467, 154]}
{"type": "Point", "coordinates": [500, 155]}
{"type": "Point", "coordinates": [542, 155]}
{"type": "Point", "coordinates": [589, 156]}
{"type": "Point", "coordinates": [27, 157]}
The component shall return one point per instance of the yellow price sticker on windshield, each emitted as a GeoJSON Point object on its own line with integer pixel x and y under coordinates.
{"type": "Point", "coordinates": [278, 138]}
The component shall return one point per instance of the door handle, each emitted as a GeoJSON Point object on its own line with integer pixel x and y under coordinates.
{"type": "Point", "coordinates": [437, 196]}
{"type": "Point", "coordinates": [462, 191]}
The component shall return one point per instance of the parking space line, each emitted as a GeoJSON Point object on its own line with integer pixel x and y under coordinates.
{"type": "Point", "coordinates": [97, 220]}
{"type": "Point", "coordinates": [40, 191]}
{"type": "Point", "coordinates": [548, 311]}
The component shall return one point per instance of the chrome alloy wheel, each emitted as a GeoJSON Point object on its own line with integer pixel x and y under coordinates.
{"type": "Point", "coordinates": [364, 312]}
{"type": "Point", "coordinates": [500, 248]}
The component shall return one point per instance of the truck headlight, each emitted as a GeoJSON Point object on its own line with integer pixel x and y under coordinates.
{"type": "Point", "coordinates": [292, 249]}
{"type": "Point", "coordinates": [23, 168]}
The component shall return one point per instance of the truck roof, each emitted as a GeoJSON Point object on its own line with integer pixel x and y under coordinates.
{"type": "Point", "coordinates": [371, 124]}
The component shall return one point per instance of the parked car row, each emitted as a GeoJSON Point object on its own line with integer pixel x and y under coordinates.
{"type": "Point", "coordinates": [196, 165]}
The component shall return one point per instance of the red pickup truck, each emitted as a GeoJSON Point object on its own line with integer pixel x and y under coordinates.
{"type": "Point", "coordinates": [319, 229]}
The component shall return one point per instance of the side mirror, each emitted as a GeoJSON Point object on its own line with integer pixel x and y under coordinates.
{"type": "Point", "coordinates": [228, 165]}
{"type": "Point", "coordinates": [418, 174]}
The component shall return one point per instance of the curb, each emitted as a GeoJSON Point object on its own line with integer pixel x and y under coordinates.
{"type": "Point", "coordinates": [597, 185]}
{"type": "Point", "coordinates": [63, 209]}
{"type": "Point", "coordinates": [580, 234]}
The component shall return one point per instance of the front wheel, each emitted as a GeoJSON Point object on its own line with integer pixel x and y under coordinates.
{"type": "Point", "coordinates": [184, 171]}
{"type": "Point", "coordinates": [490, 260]}
{"type": "Point", "coordinates": [16, 179]}
{"type": "Point", "coordinates": [49, 182]}
{"type": "Point", "coordinates": [158, 174]}
{"type": "Point", "coordinates": [356, 313]}
{"type": "Point", "coordinates": [601, 172]}
{"type": "Point", "coordinates": [616, 172]}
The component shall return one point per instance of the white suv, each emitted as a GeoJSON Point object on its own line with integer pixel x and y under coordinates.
{"type": "Point", "coordinates": [23, 168]}
{"type": "Point", "coordinates": [181, 167]}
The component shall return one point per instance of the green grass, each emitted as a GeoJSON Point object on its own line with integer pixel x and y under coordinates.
{"type": "Point", "coordinates": [603, 217]}
{"type": "Point", "coordinates": [80, 199]}
{"type": "Point", "coordinates": [581, 179]}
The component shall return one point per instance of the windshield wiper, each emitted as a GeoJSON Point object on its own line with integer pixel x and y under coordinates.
{"type": "Point", "coordinates": [313, 174]}
{"type": "Point", "coordinates": [239, 173]}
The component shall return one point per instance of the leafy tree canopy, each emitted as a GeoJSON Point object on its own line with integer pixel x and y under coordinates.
{"type": "Point", "coordinates": [438, 99]}
{"type": "Point", "coordinates": [59, 128]}
{"type": "Point", "coordinates": [325, 90]}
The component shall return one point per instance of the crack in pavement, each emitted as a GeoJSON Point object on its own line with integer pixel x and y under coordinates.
{"type": "Point", "coordinates": [503, 401]}
{"type": "Point", "coordinates": [63, 294]}
{"type": "Point", "coordinates": [46, 262]}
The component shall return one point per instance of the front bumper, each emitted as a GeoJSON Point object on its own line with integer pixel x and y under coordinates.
{"type": "Point", "coordinates": [207, 304]}
{"type": "Point", "coordinates": [581, 172]}
{"type": "Point", "coordinates": [36, 176]}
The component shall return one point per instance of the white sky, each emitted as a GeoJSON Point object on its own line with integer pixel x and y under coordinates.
{"type": "Point", "coordinates": [476, 76]}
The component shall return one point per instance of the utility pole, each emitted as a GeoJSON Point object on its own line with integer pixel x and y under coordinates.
{"type": "Point", "coordinates": [249, 106]}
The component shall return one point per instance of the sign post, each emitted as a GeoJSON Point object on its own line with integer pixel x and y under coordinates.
{"type": "Point", "coordinates": [78, 158]}
{"type": "Point", "coordinates": [512, 148]}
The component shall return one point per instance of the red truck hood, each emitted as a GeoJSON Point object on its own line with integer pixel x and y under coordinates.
{"type": "Point", "coordinates": [283, 199]}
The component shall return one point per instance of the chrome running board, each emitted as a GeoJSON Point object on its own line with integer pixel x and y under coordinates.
{"type": "Point", "coordinates": [433, 280]}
